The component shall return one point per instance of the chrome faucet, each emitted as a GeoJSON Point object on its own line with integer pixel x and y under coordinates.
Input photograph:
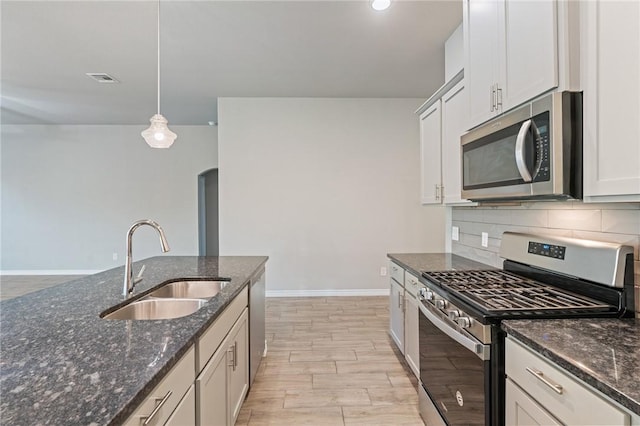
{"type": "Point", "coordinates": [129, 282]}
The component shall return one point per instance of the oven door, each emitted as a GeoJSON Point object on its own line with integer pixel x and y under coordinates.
{"type": "Point", "coordinates": [454, 372]}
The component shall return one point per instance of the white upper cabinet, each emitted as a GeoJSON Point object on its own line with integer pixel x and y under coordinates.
{"type": "Point", "coordinates": [481, 43]}
{"type": "Point", "coordinates": [610, 69]}
{"type": "Point", "coordinates": [511, 54]}
{"type": "Point", "coordinates": [441, 125]}
{"type": "Point", "coordinates": [530, 50]}
{"type": "Point", "coordinates": [454, 118]}
{"type": "Point", "coordinates": [430, 134]}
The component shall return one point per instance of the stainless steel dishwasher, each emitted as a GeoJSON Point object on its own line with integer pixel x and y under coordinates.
{"type": "Point", "coordinates": [257, 342]}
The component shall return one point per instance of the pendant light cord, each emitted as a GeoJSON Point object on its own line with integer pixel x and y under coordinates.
{"type": "Point", "coordinates": [158, 57]}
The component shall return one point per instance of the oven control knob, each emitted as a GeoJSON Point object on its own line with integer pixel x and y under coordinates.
{"type": "Point", "coordinates": [453, 314]}
{"type": "Point", "coordinates": [464, 322]}
{"type": "Point", "coordinates": [441, 303]}
{"type": "Point", "coordinates": [425, 294]}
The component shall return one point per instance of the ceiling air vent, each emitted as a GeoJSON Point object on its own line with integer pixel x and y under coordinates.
{"type": "Point", "coordinates": [102, 77]}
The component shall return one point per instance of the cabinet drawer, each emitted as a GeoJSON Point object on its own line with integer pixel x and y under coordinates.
{"type": "Point", "coordinates": [215, 334]}
{"type": "Point", "coordinates": [397, 273]}
{"type": "Point", "coordinates": [411, 284]}
{"type": "Point", "coordinates": [565, 397]}
{"type": "Point", "coordinates": [172, 387]}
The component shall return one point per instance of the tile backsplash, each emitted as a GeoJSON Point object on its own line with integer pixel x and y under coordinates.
{"type": "Point", "coordinates": [614, 222]}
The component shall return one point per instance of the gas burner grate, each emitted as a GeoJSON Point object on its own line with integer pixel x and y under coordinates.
{"type": "Point", "coordinates": [500, 291]}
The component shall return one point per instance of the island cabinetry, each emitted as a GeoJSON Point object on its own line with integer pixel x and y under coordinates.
{"type": "Point", "coordinates": [223, 381]}
{"type": "Point", "coordinates": [396, 306]}
{"type": "Point", "coordinates": [185, 413]}
{"type": "Point", "coordinates": [163, 400]}
{"type": "Point", "coordinates": [539, 392]}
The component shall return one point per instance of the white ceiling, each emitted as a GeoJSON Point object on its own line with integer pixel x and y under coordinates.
{"type": "Point", "coordinates": [211, 49]}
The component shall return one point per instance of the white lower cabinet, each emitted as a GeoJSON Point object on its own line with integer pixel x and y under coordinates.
{"type": "Point", "coordinates": [411, 346]}
{"type": "Point", "coordinates": [211, 387]}
{"type": "Point", "coordinates": [223, 383]}
{"type": "Point", "coordinates": [539, 392]}
{"type": "Point", "coordinates": [185, 413]}
{"type": "Point", "coordinates": [163, 400]}
{"type": "Point", "coordinates": [522, 410]}
{"type": "Point", "coordinates": [396, 314]}
{"type": "Point", "coordinates": [238, 372]}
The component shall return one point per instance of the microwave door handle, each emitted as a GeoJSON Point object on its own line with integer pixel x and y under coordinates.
{"type": "Point", "coordinates": [520, 162]}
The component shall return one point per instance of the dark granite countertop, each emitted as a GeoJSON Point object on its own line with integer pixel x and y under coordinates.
{"type": "Point", "coordinates": [605, 353]}
{"type": "Point", "coordinates": [418, 262]}
{"type": "Point", "coordinates": [62, 364]}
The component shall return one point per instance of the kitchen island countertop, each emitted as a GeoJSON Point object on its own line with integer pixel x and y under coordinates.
{"type": "Point", "coordinates": [63, 364]}
{"type": "Point", "coordinates": [604, 353]}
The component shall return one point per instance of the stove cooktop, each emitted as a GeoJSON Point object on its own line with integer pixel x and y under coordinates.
{"type": "Point", "coordinates": [497, 291]}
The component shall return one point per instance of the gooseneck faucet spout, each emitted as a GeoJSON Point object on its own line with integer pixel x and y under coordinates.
{"type": "Point", "coordinates": [129, 282]}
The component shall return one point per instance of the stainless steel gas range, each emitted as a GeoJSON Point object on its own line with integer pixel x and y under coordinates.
{"type": "Point", "coordinates": [461, 343]}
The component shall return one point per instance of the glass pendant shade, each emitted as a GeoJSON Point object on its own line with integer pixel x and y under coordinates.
{"type": "Point", "coordinates": [380, 4]}
{"type": "Point", "coordinates": [158, 134]}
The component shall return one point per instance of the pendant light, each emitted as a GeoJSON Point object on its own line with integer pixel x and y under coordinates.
{"type": "Point", "coordinates": [158, 134]}
{"type": "Point", "coordinates": [380, 4]}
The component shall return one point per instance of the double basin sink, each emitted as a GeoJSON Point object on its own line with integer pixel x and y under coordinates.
{"type": "Point", "coordinates": [173, 299]}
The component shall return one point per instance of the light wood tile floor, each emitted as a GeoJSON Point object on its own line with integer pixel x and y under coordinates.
{"type": "Point", "coordinates": [330, 361]}
{"type": "Point", "coordinates": [17, 285]}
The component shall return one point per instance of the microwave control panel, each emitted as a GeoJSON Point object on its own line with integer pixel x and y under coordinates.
{"type": "Point", "coordinates": [542, 148]}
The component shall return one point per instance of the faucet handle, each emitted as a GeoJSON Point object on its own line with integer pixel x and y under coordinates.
{"type": "Point", "coordinates": [139, 277]}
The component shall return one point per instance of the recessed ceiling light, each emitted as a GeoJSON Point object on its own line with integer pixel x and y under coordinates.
{"type": "Point", "coordinates": [102, 77]}
{"type": "Point", "coordinates": [380, 4]}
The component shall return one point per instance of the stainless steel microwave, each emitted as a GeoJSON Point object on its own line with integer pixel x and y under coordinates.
{"type": "Point", "coordinates": [531, 153]}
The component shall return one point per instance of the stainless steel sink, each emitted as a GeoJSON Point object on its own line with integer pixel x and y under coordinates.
{"type": "Point", "coordinates": [190, 289]}
{"type": "Point", "coordinates": [150, 308]}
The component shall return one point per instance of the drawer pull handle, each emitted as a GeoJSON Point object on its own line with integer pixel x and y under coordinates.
{"type": "Point", "coordinates": [540, 376]}
{"type": "Point", "coordinates": [147, 421]}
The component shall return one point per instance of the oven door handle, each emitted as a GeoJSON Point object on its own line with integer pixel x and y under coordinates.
{"type": "Point", "coordinates": [482, 351]}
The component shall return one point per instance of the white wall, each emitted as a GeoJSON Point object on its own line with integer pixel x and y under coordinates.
{"type": "Point", "coordinates": [69, 194]}
{"type": "Point", "coordinates": [324, 187]}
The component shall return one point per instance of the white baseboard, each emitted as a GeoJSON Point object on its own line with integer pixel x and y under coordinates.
{"type": "Point", "coordinates": [50, 272]}
{"type": "Point", "coordinates": [328, 293]}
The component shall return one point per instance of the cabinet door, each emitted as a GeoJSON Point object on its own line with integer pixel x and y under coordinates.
{"type": "Point", "coordinates": [521, 410]}
{"type": "Point", "coordinates": [238, 382]}
{"type": "Point", "coordinates": [481, 41]}
{"type": "Point", "coordinates": [530, 55]}
{"type": "Point", "coordinates": [185, 412]}
{"type": "Point", "coordinates": [430, 135]}
{"type": "Point", "coordinates": [211, 391]}
{"type": "Point", "coordinates": [611, 73]}
{"type": "Point", "coordinates": [163, 399]}
{"type": "Point", "coordinates": [454, 118]}
{"type": "Point", "coordinates": [396, 314]}
{"type": "Point", "coordinates": [411, 346]}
